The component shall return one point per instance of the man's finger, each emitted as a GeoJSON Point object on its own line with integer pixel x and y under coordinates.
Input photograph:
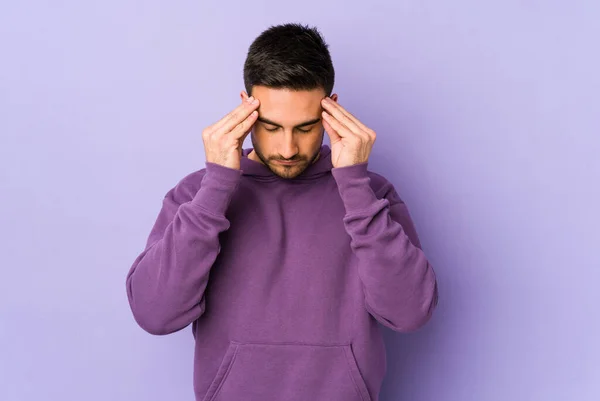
{"type": "Point", "coordinates": [341, 117]}
{"type": "Point", "coordinates": [225, 118]}
{"type": "Point", "coordinates": [339, 128]}
{"type": "Point", "coordinates": [331, 105]}
{"type": "Point", "coordinates": [235, 117]}
{"type": "Point", "coordinates": [243, 129]}
{"type": "Point", "coordinates": [333, 135]}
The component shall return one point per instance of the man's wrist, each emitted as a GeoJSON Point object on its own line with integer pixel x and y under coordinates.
{"type": "Point", "coordinates": [217, 188]}
{"type": "Point", "coordinates": [354, 185]}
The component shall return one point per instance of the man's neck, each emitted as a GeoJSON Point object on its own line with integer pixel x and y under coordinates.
{"type": "Point", "coordinates": [252, 156]}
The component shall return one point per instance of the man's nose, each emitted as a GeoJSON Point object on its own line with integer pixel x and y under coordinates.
{"type": "Point", "coordinates": [288, 147]}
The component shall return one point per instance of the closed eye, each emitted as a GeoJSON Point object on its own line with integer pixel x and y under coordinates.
{"type": "Point", "coordinates": [303, 130]}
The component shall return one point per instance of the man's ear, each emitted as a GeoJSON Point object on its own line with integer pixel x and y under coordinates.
{"type": "Point", "coordinates": [334, 97]}
{"type": "Point", "coordinates": [243, 95]}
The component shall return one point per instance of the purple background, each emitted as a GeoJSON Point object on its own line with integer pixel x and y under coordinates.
{"type": "Point", "coordinates": [488, 122]}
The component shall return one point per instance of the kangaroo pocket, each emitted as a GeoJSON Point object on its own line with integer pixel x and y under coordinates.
{"type": "Point", "coordinates": [288, 372]}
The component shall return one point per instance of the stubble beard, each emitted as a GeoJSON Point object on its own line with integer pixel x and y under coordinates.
{"type": "Point", "coordinates": [286, 172]}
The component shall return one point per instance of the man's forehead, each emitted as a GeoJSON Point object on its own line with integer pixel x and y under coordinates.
{"type": "Point", "coordinates": [288, 107]}
{"type": "Point", "coordinates": [287, 98]}
{"type": "Point", "coordinates": [289, 116]}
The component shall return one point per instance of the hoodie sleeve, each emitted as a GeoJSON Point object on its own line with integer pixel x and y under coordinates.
{"type": "Point", "coordinates": [165, 285]}
{"type": "Point", "coordinates": [399, 282]}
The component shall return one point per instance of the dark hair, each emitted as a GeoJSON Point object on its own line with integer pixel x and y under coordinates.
{"type": "Point", "coordinates": [290, 56]}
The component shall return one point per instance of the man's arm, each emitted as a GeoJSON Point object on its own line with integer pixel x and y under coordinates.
{"type": "Point", "coordinates": [165, 285]}
{"type": "Point", "coordinates": [399, 283]}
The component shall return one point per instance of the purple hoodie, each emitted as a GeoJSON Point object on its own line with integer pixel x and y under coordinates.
{"type": "Point", "coordinates": [283, 280]}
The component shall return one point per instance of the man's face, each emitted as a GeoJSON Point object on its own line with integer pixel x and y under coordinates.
{"type": "Point", "coordinates": [288, 134]}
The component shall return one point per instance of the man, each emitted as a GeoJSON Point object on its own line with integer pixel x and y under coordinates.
{"type": "Point", "coordinates": [284, 257]}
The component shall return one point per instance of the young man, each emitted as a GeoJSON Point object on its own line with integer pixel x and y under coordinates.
{"type": "Point", "coordinates": [284, 257]}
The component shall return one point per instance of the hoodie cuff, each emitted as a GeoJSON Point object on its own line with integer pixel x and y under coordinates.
{"type": "Point", "coordinates": [217, 188]}
{"type": "Point", "coordinates": [354, 187]}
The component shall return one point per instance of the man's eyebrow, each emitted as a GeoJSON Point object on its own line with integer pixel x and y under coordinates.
{"type": "Point", "coordinates": [304, 124]}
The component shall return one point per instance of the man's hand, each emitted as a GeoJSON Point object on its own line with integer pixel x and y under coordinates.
{"type": "Point", "coordinates": [351, 141]}
{"type": "Point", "coordinates": [223, 140]}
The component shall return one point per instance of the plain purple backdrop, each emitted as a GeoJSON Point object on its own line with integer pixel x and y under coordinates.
{"type": "Point", "coordinates": [488, 122]}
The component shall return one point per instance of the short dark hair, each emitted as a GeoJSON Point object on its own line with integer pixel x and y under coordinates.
{"type": "Point", "coordinates": [290, 56]}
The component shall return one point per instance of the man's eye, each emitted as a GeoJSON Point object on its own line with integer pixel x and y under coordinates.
{"type": "Point", "coordinates": [272, 129]}
{"type": "Point", "coordinates": [306, 130]}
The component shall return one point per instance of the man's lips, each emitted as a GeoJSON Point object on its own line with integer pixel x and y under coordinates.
{"type": "Point", "coordinates": [287, 162]}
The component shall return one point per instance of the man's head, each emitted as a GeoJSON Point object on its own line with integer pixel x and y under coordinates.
{"type": "Point", "coordinates": [289, 69]}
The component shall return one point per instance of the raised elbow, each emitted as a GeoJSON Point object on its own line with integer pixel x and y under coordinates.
{"type": "Point", "coordinates": [419, 315]}
{"type": "Point", "coordinates": [153, 319]}
{"type": "Point", "coordinates": [152, 324]}
{"type": "Point", "coordinates": [409, 317]}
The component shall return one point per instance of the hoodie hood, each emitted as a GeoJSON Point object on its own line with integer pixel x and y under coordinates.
{"type": "Point", "coordinates": [259, 171]}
